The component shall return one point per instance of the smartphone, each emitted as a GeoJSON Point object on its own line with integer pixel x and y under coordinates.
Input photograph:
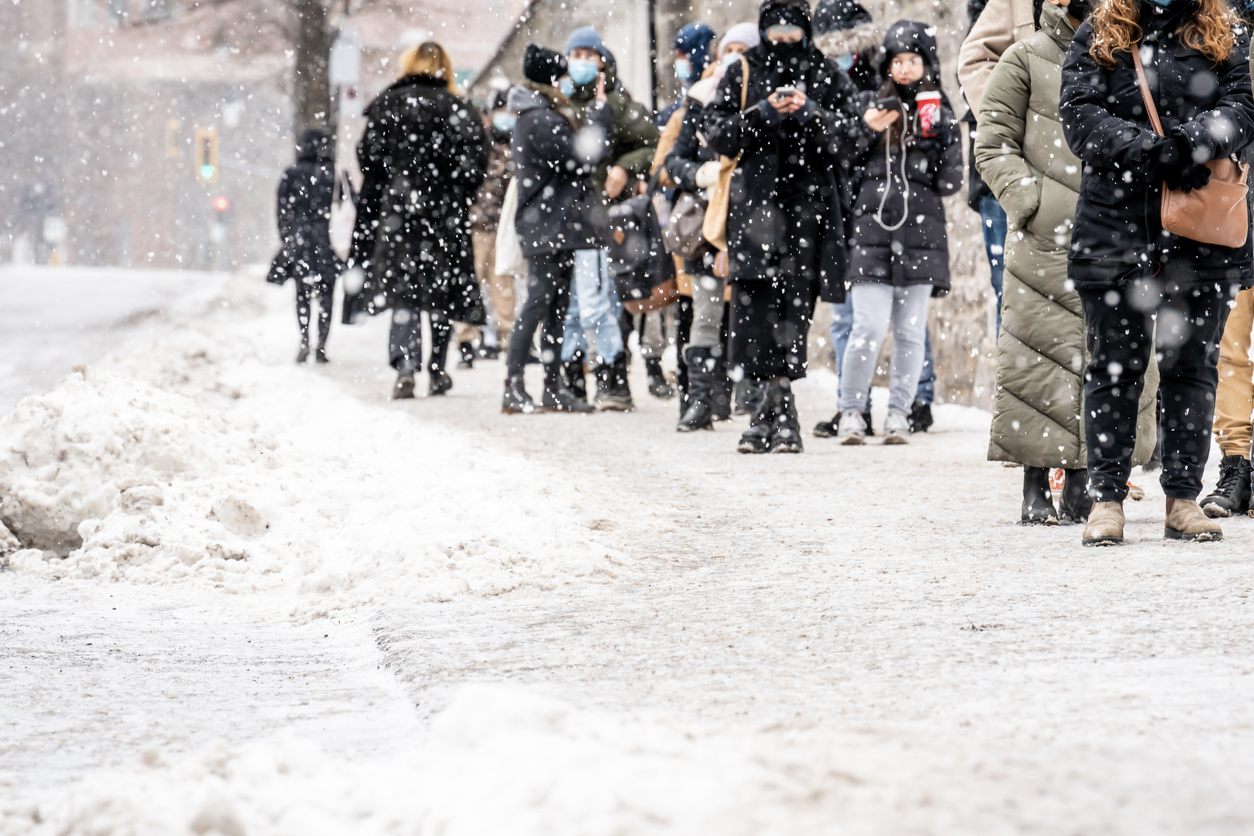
{"type": "Point", "coordinates": [888, 103]}
{"type": "Point", "coordinates": [786, 91]}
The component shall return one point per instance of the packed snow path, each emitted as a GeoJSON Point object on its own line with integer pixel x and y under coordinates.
{"type": "Point", "coordinates": [681, 639]}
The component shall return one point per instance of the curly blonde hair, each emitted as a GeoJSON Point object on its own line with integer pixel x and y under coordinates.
{"type": "Point", "coordinates": [429, 59]}
{"type": "Point", "coordinates": [1211, 30]}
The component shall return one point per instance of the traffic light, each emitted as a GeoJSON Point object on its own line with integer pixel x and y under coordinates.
{"type": "Point", "coordinates": [221, 203]}
{"type": "Point", "coordinates": [207, 155]}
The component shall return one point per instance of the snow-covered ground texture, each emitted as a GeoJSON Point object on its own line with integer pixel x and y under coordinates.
{"type": "Point", "coordinates": [300, 608]}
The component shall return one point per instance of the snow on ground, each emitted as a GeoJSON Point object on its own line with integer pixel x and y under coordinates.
{"type": "Point", "coordinates": [342, 614]}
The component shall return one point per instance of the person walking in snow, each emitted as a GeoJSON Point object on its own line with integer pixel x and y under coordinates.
{"type": "Point", "coordinates": [423, 156]}
{"type": "Point", "coordinates": [304, 216]}
{"type": "Point", "coordinates": [1037, 412]}
{"type": "Point", "coordinates": [1144, 289]}
{"type": "Point", "coordinates": [694, 167]}
{"type": "Point", "coordinates": [785, 221]}
{"type": "Point", "coordinates": [899, 256]}
{"type": "Point", "coordinates": [559, 213]}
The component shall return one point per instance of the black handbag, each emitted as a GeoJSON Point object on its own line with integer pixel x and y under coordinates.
{"type": "Point", "coordinates": [682, 234]}
{"type": "Point", "coordinates": [637, 256]}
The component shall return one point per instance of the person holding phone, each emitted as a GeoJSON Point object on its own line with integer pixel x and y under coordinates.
{"type": "Point", "coordinates": [785, 221]}
{"type": "Point", "coordinates": [899, 256]}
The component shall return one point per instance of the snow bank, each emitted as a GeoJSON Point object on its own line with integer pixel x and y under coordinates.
{"type": "Point", "coordinates": [497, 761]}
{"type": "Point", "coordinates": [271, 479]}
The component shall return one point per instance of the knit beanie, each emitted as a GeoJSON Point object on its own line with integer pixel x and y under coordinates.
{"type": "Point", "coordinates": [741, 33]}
{"type": "Point", "coordinates": [542, 65]}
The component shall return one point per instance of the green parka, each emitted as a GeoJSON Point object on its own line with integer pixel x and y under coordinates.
{"type": "Point", "coordinates": [634, 138]}
{"type": "Point", "coordinates": [1021, 154]}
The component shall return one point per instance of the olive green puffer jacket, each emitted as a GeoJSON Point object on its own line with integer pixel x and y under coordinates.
{"type": "Point", "coordinates": [1022, 156]}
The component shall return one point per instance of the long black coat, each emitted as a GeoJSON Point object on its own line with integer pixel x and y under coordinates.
{"type": "Point", "coordinates": [1118, 223]}
{"type": "Point", "coordinates": [688, 153]}
{"type": "Point", "coordinates": [423, 156]}
{"type": "Point", "coordinates": [825, 146]}
{"type": "Point", "coordinates": [918, 252]}
{"type": "Point", "coordinates": [304, 202]}
{"type": "Point", "coordinates": [558, 209]}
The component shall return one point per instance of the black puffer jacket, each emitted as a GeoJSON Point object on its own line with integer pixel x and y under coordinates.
{"type": "Point", "coordinates": [689, 153]}
{"type": "Point", "coordinates": [304, 213]}
{"type": "Point", "coordinates": [786, 161]}
{"type": "Point", "coordinates": [423, 156]}
{"type": "Point", "coordinates": [553, 162]}
{"type": "Point", "coordinates": [1118, 229]}
{"type": "Point", "coordinates": [918, 251]}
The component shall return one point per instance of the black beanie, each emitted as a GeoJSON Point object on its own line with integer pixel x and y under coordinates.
{"type": "Point", "coordinates": [796, 12]}
{"type": "Point", "coordinates": [1080, 9]}
{"type": "Point", "coordinates": [543, 65]}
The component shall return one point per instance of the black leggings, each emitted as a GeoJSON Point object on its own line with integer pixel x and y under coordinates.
{"type": "Point", "coordinates": [548, 293]}
{"type": "Point", "coordinates": [1121, 335]}
{"type": "Point", "coordinates": [305, 289]}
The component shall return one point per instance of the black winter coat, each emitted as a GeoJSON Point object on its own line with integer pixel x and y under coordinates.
{"type": "Point", "coordinates": [688, 153]}
{"type": "Point", "coordinates": [1118, 226]}
{"type": "Point", "coordinates": [304, 202]}
{"type": "Point", "coordinates": [558, 209]}
{"type": "Point", "coordinates": [823, 147]}
{"type": "Point", "coordinates": [423, 156]}
{"type": "Point", "coordinates": [917, 252]}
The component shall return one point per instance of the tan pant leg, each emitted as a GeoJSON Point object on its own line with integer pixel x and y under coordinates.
{"type": "Point", "coordinates": [1234, 400]}
{"type": "Point", "coordinates": [500, 288]}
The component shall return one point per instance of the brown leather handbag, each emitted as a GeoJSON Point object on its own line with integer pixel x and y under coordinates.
{"type": "Point", "coordinates": [1214, 214]}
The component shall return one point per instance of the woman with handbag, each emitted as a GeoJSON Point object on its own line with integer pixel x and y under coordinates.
{"type": "Point", "coordinates": [792, 138]}
{"type": "Point", "coordinates": [1155, 99]}
{"type": "Point", "coordinates": [423, 156]}
{"type": "Point", "coordinates": [694, 167]}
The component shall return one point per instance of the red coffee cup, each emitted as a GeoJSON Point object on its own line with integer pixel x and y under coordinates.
{"type": "Point", "coordinates": [929, 104]}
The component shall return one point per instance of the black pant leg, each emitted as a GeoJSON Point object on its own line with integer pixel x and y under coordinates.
{"type": "Point", "coordinates": [555, 316]}
{"type": "Point", "coordinates": [547, 273]}
{"type": "Point", "coordinates": [303, 293]}
{"type": "Point", "coordinates": [1190, 325]}
{"type": "Point", "coordinates": [441, 334]}
{"type": "Point", "coordinates": [1120, 346]}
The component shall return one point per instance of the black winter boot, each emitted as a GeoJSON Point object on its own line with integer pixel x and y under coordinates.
{"type": "Point", "coordinates": [467, 351]}
{"type": "Point", "coordinates": [786, 436]}
{"type": "Point", "coordinates": [403, 389]}
{"type": "Point", "coordinates": [721, 388]}
{"type": "Point", "coordinates": [749, 394]}
{"type": "Point", "coordinates": [557, 398]}
{"type": "Point", "coordinates": [659, 386]}
{"type": "Point", "coordinates": [920, 417]}
{"type": "Point", "coordinates": [303, 354]}
{"type": "Point", "coordinates": [1075, 504]}
{"type": "Point", "coordinates": [441, 382]}
{"type": "Point", "coordinates": [516, 400]}
{"type": "Point", "coordinates": [575, 377]}
{"type": "Point", "coordinates": [613, 392]}
{"type": "Point", "coordinates": [757, 439]}
{"type": "Point", "coordinates": [1038, 502]}
{"type": "Point", "coordinates": [1232, 494]}
{"type": "Point", "coordinates": [700, 412]}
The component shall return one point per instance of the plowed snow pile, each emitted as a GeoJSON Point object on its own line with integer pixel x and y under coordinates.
{"type": "Point", "coordinates": [273, 480]}
{"type": "Point", "coordinates": [497, 761]}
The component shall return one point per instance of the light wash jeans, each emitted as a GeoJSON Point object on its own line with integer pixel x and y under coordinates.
{"type": "Point", "coordinates": [842, 326]}
{"type": "Point", "coordinates": [874, 307]}
{"type": "Point", "coordinates": [594, 306]}
{"type": "Point", "coordinates": [995, 225]}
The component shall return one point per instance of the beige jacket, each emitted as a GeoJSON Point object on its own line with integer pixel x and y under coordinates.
{"type": "Point", "coordinates": [1002, 23]}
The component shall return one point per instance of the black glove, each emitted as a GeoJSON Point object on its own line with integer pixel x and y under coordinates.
{"type": "Point", "coordinates": [1190, 178]}
{"type": "Point", "coordinates": [1167, 156]}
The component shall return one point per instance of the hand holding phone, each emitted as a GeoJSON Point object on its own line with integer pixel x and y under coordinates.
{"type": "Point", "coordinates": [888, 103]}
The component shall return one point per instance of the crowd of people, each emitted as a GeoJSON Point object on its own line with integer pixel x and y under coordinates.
{"type": "Point", "coordinates": [807, 161]}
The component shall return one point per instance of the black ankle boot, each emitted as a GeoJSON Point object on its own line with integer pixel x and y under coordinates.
{"type": "Point", "coordinates": [441, 382]}
{"type": "Point", "coordinates": [757, 439]}
{"type": "Point", "coordinates": [1075, 504]}
{"type": "Point", "coordinates": [1038, 503]}
{"type": "Point", "coordinates": [467, 352]}
{"type": "Point", "coordinates": [786, 434]}
{"type": "Point", "coordinates": [1232, 494]}
{"type": "Point", "coordinates": [700, 412]}
{"type": "Point", "coordinates": [575, 377]}
{"type": "Point", "coordinates": [516, 400]}
{"type": "Point", "coordinates": [659, 387]}
{"type": "Point", "coordinates": [748, 396]}
{"type": "Point", "coordinates": [558, 398]}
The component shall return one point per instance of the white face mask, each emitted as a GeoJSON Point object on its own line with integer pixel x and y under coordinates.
{"type": "Point", "coordinates": [729, 59]}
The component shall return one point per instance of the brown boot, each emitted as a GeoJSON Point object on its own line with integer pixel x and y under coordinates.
{"type": "Point", "coordinates": [1105, 525]}
{"type": "Point", "coordinates": [1186, 521]}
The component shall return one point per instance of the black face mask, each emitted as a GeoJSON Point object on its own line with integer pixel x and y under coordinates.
{"type": "Point", "coordinates": [909, 91]}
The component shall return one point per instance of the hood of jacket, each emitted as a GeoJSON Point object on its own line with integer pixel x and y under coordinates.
{"type": "Point", "coordinates": [916, 37]}
{"type": "Point", "coordinates": [531, 95]}
{"type": "Point", "coordinates": [853, 41]}
{"type": "Point", "coordinates": [769, 11]}
{"type": "Point", "coordinates": [1056, 22]}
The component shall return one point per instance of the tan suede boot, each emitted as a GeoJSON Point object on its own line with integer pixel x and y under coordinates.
{"type": "Point", "coordinates": [1105, 525]}
{"type": "Point", "coordinates": [1187, 521]}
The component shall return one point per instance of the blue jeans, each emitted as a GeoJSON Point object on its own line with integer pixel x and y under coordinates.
{"type": "Point", "coordinates": [994, 218]}
{"type": "Point", "coordinates": [842, 327]}
{"type": "Point", "coordinates": [594, 306]}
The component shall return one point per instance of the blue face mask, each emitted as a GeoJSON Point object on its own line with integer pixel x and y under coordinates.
{"type": "Point", "coordinates": [567, 87]}
{"type": "Point", "coordinates": [504, 122]}
{"type": "Point", "coordinates": [582, 71]}
{"type": "Point", "coordinates": [845, 62]}
{"type": "Point", "coordinates": [683, 69]}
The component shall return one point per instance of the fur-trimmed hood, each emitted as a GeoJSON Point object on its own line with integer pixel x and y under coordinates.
{"type": "Point", "coordinates": [850, 41]}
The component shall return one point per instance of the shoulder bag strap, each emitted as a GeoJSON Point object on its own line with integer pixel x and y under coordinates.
{"type": "Point", "coordinates": [1145, 91]}
{"type": "Point", "coordinates": [744, 82]}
